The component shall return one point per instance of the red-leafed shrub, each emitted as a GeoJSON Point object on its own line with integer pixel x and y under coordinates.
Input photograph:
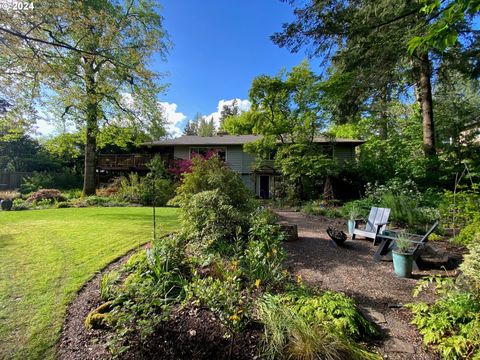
{"type": "Point", "coordinates": [46, 194]}
{"type": "Point", "coordinates": [184, 166]}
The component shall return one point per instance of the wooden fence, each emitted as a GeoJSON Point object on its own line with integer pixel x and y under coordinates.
{"type": "Point", "coordinates": [12, 180]}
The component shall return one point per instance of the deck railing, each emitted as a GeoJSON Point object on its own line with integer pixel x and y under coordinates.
{"type": "Point", "coordinates": [124, 161]}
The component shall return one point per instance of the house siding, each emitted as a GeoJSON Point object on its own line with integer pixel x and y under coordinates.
{"type": "Point", "coordinates": [247, 163]}
{"type": "Point", "coordinates": [235, 158]}
{"type": "Point", "coordinates": [181, 152]}
{"type": "Point", "coordinates": [344, 154]}
{"type": "Point", "coordinates": [249, 182]}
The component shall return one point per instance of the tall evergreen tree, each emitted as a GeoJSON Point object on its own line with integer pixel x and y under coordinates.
{"type": "Point", "coordinates": [206, 127]}
{"type": "Point", "coordinates": [366, 43]}
{"type": "Point", "coordinates": [227, 111]}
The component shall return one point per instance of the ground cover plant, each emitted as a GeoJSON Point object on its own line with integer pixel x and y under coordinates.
{"type": "Point", "coordinates": [452, 323]}
{"type": "Point", "coordinates": [47, 255]}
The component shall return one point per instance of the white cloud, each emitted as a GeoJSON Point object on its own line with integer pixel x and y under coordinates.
{"type": "Point", "coordinates": [45, 128]}
{"type": "Point", "coordinates": [243, 105]}
{"type": "Point", "coordinates": [174, 119]}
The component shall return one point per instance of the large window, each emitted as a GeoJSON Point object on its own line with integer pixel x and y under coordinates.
{"type": "Point", "coordinates": [204, 151]}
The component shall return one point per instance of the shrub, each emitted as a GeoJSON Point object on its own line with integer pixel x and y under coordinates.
{"type": "Point", "coordinates": [361, 206]}
{"type": "Point", "coordinates": [407, 188]}
{"type": "Point", "coordinates": [138, 262]}
{"type": "Point", "coordinates": [468, 233]}
{"type": "Point", "coordinates": [19, 204]}
{"type": "Point", "coordinates": [63, 205]}
{"type": "Point", "coordinates": [212, 174]}
{"type": "Point", "coordinates": [137, 190]}
{"type": "Point", "coordinates": [403, 208]}
{"type": "Point", "coordinates": [73, 194]}
{"type": "Point", "coordinates": [129, 189]}
{"type": "Point", "coordinates": [458, 210]}
{"type": "Point", "coordinates": [49, 195]}
{"type": "Point", "coordinates": [222, 296]}
{"type": "Point", "coordinates": [471, 266]}
{"type": "Point", "coordinates": [212, 219]}
{"type": "Point", "coordinates": [36, 181]}
{"type": "Point", "coordinates": [112, 188]}
{"type": "Point", "coordinates": [451, 324]}
{"type": "Point", "coordinates": [309, 326]}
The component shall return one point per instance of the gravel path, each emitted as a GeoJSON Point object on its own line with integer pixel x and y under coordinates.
{"type": "Point", "coordinates": [351, 269]}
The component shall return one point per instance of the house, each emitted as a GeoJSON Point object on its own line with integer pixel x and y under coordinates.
{"type": "Point", "coordinates": [260, 178]}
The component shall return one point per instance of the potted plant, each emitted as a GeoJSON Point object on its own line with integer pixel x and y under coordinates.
{"type": "Point", "coordinates": [353, 217]}
{"type": "Point", "coordinates": [402, 256]}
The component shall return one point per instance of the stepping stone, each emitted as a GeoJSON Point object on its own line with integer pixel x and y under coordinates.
{"type": "Point", "coordinates": [373, 315]}
{"type": "Point", "coordinates": [397, 345]}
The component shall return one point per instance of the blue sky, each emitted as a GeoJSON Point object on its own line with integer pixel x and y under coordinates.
{"type": "Point", "coordinates": [219, 47]}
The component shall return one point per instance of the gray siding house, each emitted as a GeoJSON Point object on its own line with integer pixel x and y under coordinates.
{"type": "Point", "coordinates": [259, 178]}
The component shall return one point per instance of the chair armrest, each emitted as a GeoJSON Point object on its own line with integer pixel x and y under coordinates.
{"type": "Point", "coordinates": [381, 224]}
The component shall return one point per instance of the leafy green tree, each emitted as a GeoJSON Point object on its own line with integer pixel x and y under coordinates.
{"type": "Point", "coordinates": [287, 111]}
{"type": "Point", "coordinates": [23, 153]}
{"type": "Point", "coordinates": [241, 124]}
{"type": "Point", "coordinates": [90, 58]}
{"type": "Point", "coordinates": [445, 20]}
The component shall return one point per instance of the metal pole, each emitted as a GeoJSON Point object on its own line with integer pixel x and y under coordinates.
{"type": "Point", "coordinates": [154, 217]}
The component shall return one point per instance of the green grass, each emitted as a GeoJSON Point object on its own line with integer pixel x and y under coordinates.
{"type": "Point", "coordinates": [45, 258]}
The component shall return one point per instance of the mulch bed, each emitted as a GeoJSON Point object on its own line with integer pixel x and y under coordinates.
{"type": "Point", "coordinates": [190, 333]}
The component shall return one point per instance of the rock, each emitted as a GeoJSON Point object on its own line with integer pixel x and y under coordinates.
{"type": "Point", "coordinates": [397, 345]}
{"type": "Point", "coordinates": [373, 315]}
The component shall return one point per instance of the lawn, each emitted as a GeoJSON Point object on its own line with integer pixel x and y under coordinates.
{"type": "Point", "coordinates": [45, 258]}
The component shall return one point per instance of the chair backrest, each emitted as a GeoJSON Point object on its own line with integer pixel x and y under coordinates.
{"type": "Point", "coordinates": [425, 237]}
{"type": "Point", "coordinates": [377, 215]}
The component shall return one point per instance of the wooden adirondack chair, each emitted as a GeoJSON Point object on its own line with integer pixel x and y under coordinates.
{"type": "Point", "coordinates": [388, 244]}
{"type": "Point", "coordinates": [377, 220]}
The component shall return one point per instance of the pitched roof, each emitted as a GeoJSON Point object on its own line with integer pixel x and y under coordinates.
{"type": "Point", "coordinates": [235, 140]}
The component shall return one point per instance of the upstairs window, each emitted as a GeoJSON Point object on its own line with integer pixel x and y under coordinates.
{"type": "Point", "coordinates": [206, 151]}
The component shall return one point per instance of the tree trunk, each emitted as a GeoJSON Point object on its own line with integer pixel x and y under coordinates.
{"type": "Point", "coordinates": [89, 181]}
{"type": "Point", "coordinates": [426, 109]}
{"type": "Point", "coordinates": [384, 102]}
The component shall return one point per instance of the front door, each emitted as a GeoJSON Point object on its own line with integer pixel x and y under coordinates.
{"type": "Point", "coordinates": [264, 186]}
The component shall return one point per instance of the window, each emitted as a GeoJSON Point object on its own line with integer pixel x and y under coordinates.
{"type": "Point", "coordinates": [204, 151]}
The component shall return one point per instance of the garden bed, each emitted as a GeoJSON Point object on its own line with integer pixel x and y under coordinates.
{"type": "Point", "coordinates": [193, 333]}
